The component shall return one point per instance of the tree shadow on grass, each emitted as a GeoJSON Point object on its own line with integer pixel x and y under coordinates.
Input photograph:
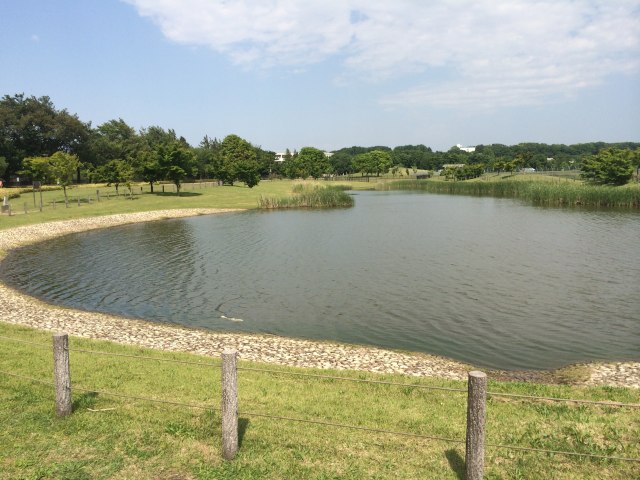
{"type": "Point", "coordinates": [174, 194]}
{"type": "Point", "coordinates": [456, 462]}
{"type": "Point", "coordinates": [84, 400]}
{"type": "Point", "coordinates": [243, 424]}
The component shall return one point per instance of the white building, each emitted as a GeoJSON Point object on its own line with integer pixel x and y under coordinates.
{"type": "Point", "coordinates": [280, 156]}
{"type": "Point", "coordinates": [466, 149]}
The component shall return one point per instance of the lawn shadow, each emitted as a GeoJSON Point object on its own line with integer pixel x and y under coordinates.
{"type": "Point", "coordinates": [456, 462]}
{"type": "Point", "coordinates": [85, 400]}
{"type": "Point", "coordinates": [174, 194]}
{"type": "Point", "coordinates": [243, 424]}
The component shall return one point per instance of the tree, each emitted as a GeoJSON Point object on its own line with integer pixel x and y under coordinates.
{"type": "Point", "coordinates": [33, 127]}
{"type": "Point", "coordinates": [3, 165]}
{"type": "Point", "coordinates": [239, 161]}
{"type": "Point", "coordinates": [37, 168]}
{"type": "Point", "coordinates": [116, 172]}
{"type": "Point", "coordinates": [375, 161]}
{"type": "Point", "coordinates": [63, 168]}
{"type": "Point", "coordinates": [380, 161]}
{"type": "Point", "coordinates": [313, 162]}
{"type": "Point", "coordinates": [148, 167]}
{"type": "Point", "coordinates": [611, 166]}
{"type": "Point", "coordinates": [177, 162]}
{"type": "Point", "coordinates": [115, 140]}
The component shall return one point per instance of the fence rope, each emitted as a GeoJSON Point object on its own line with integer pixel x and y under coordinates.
{"type": "Point", "coordinates": [346, 379]}
{"type": "Point", "coordinates": [357, 380]}
{"type": "Point", "coordinates": [27, 342]}
{"type": "Point", "coordinates": [570, 400]}
{"type": "Point", "coordinates": [31, 379]}
{"type": "Point", "coordinates": [446, 389]}
{"type": "Point", "coordinates": [443, 439]}
{"type": "Point", "coordinates": [113, 394]}
{"type": "Point", "coordinates": [146, 399]}
{"type": "Point", "coordinates": [352, 427]}
{"type": "Point", "coordinates": [337, 425]}
{"type": "Point", "coordinates": [561, 452]}
{"type": "Point", "coordinates": [146, 357]}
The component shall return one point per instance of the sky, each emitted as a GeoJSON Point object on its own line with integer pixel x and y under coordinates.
{"type": "Point", "coordinates": [335, 73]}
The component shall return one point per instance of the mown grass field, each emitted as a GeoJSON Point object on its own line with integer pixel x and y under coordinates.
{"type": "Point", "coordinates": [125, 438]}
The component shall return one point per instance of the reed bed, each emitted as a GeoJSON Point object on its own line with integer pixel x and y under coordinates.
{"type": "Point", "coordinates": [537, 192]}
{"type": "Point", "coordinates": [309, 196]}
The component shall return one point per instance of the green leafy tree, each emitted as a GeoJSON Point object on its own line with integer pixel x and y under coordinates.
{"type": "Point", "coordinates": [33, 127]}
{"type": "Point", "coordinates": [177, 162]}
{"type": "Point", "coordinates": [37, 168]}
{"type": "Point", "coordinates": [380, 161]}
{"type": "Point", "coordinates": [313, 162]}
{"type": "Point", "coordinates": [148, 167]}
{"type": "Point", "coordinates": [116, 173]}
{"type": "Point", "coordinates": [239, 161]}
{"type": "Point", "coordinates": [3, 165]}
{"type": "Point", "coordinates": [611, 166]}
{"type": "Point", "coordinates": [64, 167]}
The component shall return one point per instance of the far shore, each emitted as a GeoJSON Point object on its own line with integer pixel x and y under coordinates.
{"type": "Point", "coordinates": [18, 308]}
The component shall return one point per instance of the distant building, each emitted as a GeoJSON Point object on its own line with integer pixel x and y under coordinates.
{"type": "Point", "coordinates": [466, 149]}
{"type": "Point", "coordinates": [280, 156]}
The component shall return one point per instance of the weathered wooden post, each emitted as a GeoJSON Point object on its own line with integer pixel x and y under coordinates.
{"type": "Point", "coordinates": [78, 200]}
{"type": "Point", "coordinates": [229, 404]}
{"type": "Point", "coordinates": [476, 413]}
{"type": "Point", "coordinates": [25, 208]}
{"type": "Point", "coordinates": [62, 374]}
{"type": "Point", "coordinates": [98, 195]}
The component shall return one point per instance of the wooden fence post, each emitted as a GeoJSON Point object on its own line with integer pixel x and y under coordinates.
{"type": "Point", "coordinates": [229, 404]}
{"type": "Point", "coordinates": [62, 374]}
{"type": "Point", "coordinates": [476, 412]}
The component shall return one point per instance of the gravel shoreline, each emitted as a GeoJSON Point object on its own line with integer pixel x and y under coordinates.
{"type": "Point", "coordinates": [21, 309]}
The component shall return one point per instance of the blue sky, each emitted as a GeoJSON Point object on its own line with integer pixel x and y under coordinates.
{"type": "Point", "coordinates": [335, 73]}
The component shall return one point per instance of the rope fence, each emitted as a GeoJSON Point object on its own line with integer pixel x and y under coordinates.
{"type": "Point", "coordinates": [476, 403]}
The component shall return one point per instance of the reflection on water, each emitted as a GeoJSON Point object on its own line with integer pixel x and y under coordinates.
{"type": "Point", "coordinates": [484, 280]}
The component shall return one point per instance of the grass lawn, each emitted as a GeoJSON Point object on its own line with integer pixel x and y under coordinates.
{"type": "Point", "coordinates": [113, 437]}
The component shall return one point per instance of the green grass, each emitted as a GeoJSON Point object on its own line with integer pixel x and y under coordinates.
{"type": "Point", "coordinates": [539, 190]}
{"type": "Point", "coordinates": [192, 196]}
{"type": "Point", "coordinates": [118, 438]}
{"type": "Point", "coordinates": [310, 196]}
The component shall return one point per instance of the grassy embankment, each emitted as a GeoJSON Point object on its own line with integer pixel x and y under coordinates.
{"type": "Point", "coordinates": [192, 196]}
{"type": "Point", "coordinates": [537, 189]}
{"type": "Point", "coordinates": [112, 437]}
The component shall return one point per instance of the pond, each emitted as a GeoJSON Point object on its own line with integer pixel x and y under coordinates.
{"type": "Point", "coordinates": [488, 281]}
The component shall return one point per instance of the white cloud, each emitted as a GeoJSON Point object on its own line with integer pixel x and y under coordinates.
{"type": "Point", "coordinates": [496, 53]}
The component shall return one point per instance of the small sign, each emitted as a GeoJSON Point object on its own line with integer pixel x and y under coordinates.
{"type": "Point", "coordinates": [37, 185]}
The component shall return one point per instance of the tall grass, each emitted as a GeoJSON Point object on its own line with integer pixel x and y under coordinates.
{"type": "Point", "coordinates": [309, 196]}
{"type": "Point", "coordinates": [537, 192]}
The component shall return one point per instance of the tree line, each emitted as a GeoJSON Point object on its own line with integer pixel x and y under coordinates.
{"type": "Point", "coordinates": [43, 143]}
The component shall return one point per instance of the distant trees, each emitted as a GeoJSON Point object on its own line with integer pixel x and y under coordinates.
{"type": "Point", "coordinates": [33, 130]}
{"type": "Point", "coordinates": [33, 127]}
{"type": "Point", "coordinates": [611, 166]}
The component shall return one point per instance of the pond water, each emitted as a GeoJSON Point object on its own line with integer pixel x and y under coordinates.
{"type": "Point", "coordinates": [489, 281]}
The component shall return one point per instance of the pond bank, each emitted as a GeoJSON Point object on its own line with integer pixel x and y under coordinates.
{"type": "Point", "coordinates": [21, 309]}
